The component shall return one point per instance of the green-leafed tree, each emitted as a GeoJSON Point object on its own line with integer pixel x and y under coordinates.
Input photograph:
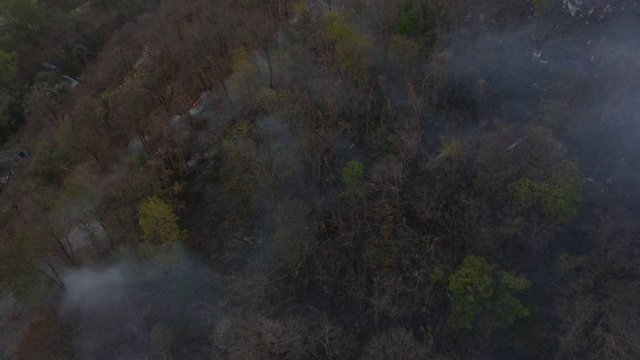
{"type": "Point", "coordinates": [478, 288]}
{"type": "Point", "coordinates": [411, 21]}
{"type": "Point", "coordinates": [353, 178]}
{"type": "Point", "coordinates": [558, 198]}
{"type": "Point", "coordinates": [158, 222]}
{"type": "Point", "coordinates": [540, 6]}
{"type": "Point", "coordinates": [25, 22]}
{"type": "Point", "coordinates": [352, 47]}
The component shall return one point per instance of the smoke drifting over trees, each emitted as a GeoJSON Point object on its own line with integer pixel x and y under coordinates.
{"type": "Point", "coordinates": [129, 309]}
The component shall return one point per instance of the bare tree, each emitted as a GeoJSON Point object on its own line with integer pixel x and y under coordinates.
{"type": "Point", "coordinates": [48, 102]}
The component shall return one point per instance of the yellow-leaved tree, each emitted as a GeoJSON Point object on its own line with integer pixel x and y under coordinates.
{"type": "Point", "coordinates": [159, 223]}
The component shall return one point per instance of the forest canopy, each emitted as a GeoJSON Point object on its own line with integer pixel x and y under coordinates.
{"type": "Point", "coordinates": [290, 179]}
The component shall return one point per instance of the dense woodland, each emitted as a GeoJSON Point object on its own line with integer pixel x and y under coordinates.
{"type": "Point", "coordinates": [290, 179]}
